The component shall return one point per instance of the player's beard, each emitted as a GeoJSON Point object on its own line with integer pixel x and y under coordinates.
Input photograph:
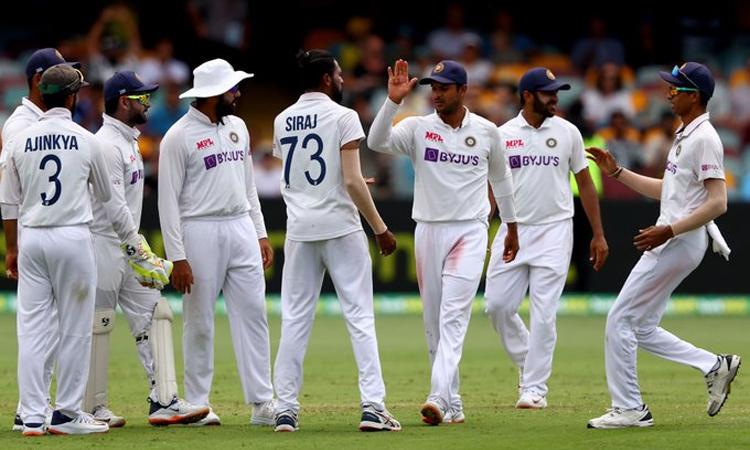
{"type": "Point", "coordinates": [543, 109]}
{"type": "Point", "coordinates": [138, 117]}
{"type": "Point", "coordinates": [337, 93]}
{"type": "Point", "coordinates": [224, 107]}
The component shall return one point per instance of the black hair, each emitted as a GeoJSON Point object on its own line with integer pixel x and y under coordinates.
{"type": "Point", "coordinates": [313, 64]}
{"type": "Point", "coordinates": [704, 99]}
{"type": "Point", "coordinates": [56, 100]}
{"type": "Point", "coordinates": [110, 106]}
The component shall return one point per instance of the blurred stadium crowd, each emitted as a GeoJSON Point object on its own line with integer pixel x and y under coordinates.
{"type": "Point", "coordinates": [617, 100]}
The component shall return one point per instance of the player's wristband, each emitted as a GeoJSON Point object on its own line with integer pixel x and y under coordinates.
{"type": "Point", "coordinates": [616, 173]}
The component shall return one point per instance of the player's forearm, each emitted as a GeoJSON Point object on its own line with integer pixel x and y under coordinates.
{"type": "Point", "coordinates": [381, 129]}
{"type": "Point", "coordinates": [708, 211]}
{"type": "Point", "coordinates": [647, 186]}
{"type": "Point", "coordinates": [590, 203]}
{"type": "Point", "coordinates": [360, 195]}
{"type": "Point", "coordinates": [10, 227]}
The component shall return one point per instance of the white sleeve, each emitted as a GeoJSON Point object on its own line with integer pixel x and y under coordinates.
{"type": "Point", "coordinates": [276, 149]}
{"type": "Point", "coordinates": [708, 160]}
{"type": "Point", "coordinates": [8, 211]}
{"type": "Point", "coordinates": [578, 160]}
{"type": "Point", "coordinates": [384, 137]}
{"type": "Point", "coordinates": [171, 178]}
{"type": "Point", "coordinates": [117, 208]}
{"type": "Point", "coordinates": [256, 214]}
{"type": "Point", "coordinates": [350, 128]}
{"type": "Point", "coordinates": [10, 188]}
{"type": "Point", "coordinates": [501, 179]}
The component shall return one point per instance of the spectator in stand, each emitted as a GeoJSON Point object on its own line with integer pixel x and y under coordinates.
{"type": "Point", "coordinates": [657, 142]}
{"type": "Point", "coordinates": [162, 67]}
{"type": "Point", "coordinates": [478, 69]}
{"type": "Point", "coordinates": [268, 173]}
{"type": "Point", "coordinates": [598, 48]}
{"type": "Point", "coordinates": [448, 42]}
{"type": "Point", "coordinates": [609, 95]}
{"type": "Point", "coordinates": [623, 142]}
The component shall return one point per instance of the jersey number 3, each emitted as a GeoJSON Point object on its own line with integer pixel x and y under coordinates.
{"type": "Point", "coordinates": [292, 142]}
{"type": "Point", "coordinates": [47, 200]}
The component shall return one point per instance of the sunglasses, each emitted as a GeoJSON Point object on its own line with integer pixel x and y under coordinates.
{"type": "Point", "coordinates": [143, 99]}
{"type": "Point", "coordinates": [676, 72]}
{"type": "Point", "coordinates": [674, 90]}
{"type": "Point", "coordinates": [234, 89]}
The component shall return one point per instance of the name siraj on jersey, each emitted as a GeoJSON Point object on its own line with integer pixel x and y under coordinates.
{"type": "Point", "coordinates": [298, 123]}
{"type": "Point", "coordinates": [51, 142]}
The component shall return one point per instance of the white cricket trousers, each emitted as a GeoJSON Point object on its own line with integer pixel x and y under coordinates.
{"type": "Point", "coordinates": [224, 255]}
{"type": "Point", "coordinates": [56, 274]}
{"type": "Point", "coordinates": [633, 320]}
{"type": "Point", "coordinates": [347, 260]}
{"type": "Point", "coordinates": [541, 267]}
{"type": "Point", "coordinates": [450, 258]}
{"type": "Point", "coordinates": [116, 285]}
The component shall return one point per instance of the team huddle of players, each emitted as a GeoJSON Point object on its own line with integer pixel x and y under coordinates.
{"type": "Point", "coordinates": [71, 206]}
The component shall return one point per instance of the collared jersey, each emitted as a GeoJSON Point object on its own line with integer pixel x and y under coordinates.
{"type": "Point", "coordinates": [540, 160]}
{"type": "Point", "coordinates": [205, 171]}
{"type": "Point", "coordinates": [696, 155]}
{"type": "Point", "coordinates": [25, 115]}
{"type": "Point", "coordinates": [308, 137]}
{"type": "Point", "coordinates": [49, 167]}
{"type": "Point", "coordinates": [125, 165]}
{"type": "Point", "coordinates": [451, 166]}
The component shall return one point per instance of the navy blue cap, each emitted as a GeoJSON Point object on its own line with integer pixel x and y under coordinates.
{"type": "Point", "coordinates": [124, 83]}
{"type": "Point", "coordinates": [691, 75]}
{"type": "Point", "coordinates": [45, 58]}
{"type": "Point", "coordinates": [446, 72]}
{"type": "Point", "coordinates": [540, 79]}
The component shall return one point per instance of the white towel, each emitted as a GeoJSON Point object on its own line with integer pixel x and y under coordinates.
{"type": "Point", "coordinates": [719, 244]}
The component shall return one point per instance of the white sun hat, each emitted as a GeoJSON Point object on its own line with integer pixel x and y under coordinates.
{"type": "Point", "coordinates": [214, 78]}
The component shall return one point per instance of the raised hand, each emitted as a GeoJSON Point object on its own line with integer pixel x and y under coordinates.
{"type": "Point", "coordinates": [603, 159]}
{"type": "Point", "coordinates": [399, 83]}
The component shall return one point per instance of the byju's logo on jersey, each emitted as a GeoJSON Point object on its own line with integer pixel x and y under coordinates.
{"type": "Point", "coordinates": [204, 144]}
{"type": "Point", "coordinates": [432, 136]}
{"type": "Point", "coordinates": [671, 167]}
{"type": "Point", "coordinates": [212, 161]}
{"type": "Point", "coordinates": [136, 175]}
{"type": "Point", "coordinates": [518, 161]}
{"type": "Point", "coordinates": [435, 155]}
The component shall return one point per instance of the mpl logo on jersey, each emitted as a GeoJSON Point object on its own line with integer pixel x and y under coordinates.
{"type": "Point", "coordinates": [436, 155]}
{"type": "Point", "coordinates": [513, 143]}
{"type": "Point", "coordinates": [204, 144]}
{"type": "Point", "coordinates": [212, 161]}
{"type": "Point", "coordinates": [518, 161]}
{"type": "Point", "coordinates": [432, 136]}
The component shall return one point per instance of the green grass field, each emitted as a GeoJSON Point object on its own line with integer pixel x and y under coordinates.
{"type": "Point", "coordinates": [330, 409]}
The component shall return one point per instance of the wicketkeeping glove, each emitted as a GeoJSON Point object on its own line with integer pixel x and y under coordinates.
{"type": "Point", "coordinates": [150, 270]}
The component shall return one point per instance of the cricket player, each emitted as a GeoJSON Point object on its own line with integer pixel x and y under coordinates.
{"type": "Point", "coordinates": [126, 99]}
{"type": "Point", "coordinates": [26, 114]}
{"type": "Point", "coordinates": [318, 141]}
{"type": "Point", "coordinates": [215, 234]}
{"type": "Point", "coordinates": [692, 194]}
{"type": "Point", "coordinates": [541, 149]}
{"type": "Point", "coordinates": [49, 167]}
{"type": "Point", "coordinates": [455, 153]}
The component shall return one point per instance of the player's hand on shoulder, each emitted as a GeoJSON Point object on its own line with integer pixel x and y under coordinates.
{"type": "Point", "coordinates": [598, 252]}
{"type": "Point", "coordinates": [266, 252]}
{"type": "Point", "coordinates": [399, 83]}
{"type": "Point", "coordinates": [386, 242]}
{"type": "Point", "coordinates": [182, 276]}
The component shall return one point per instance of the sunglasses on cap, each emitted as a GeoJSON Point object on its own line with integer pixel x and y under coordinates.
{"type": "Point", "coordinates": [676, 72]}
{"type": "Point", "coordinates": [674, 90]}
{"type": "Point", "coordinates": [143, 99]}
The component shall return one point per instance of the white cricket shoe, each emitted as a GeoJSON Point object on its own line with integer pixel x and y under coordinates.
{"type": "Point", "coordinates": [286, 421]}
{"type": "Point", "coordinates": [432, 413]}
{"type": "Point", "coordinates": [103, 414]}
{"type": "Point", "coordinates": [34, 429]}
{"type": "Point", "coordinates": [177, 412]}
{"type": "Point", "coordinates": [17, 423]}
{"type": "Point", "coordinates": [264, 413]}
{"type": "Point", "coordinates": [377, 418]}
{"type": "Point", "coordinates": [454, 415]}
{"type": "Point", "coordinates": [84, 423]}
{"type": "Point", "coordinates": [719, 381]}
{"type": "Point", "coordinates": [531, 400]}
{"type": "Point", "coordinates": [211, 419]}
{"type": "Point", "coordinates": [623, 418]}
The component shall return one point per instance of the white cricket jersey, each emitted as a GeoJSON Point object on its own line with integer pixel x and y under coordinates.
{"type": "Point", "coordinates": [25, 115]}
{"type": "Point", "coordinates": [451, 166]}
{"type": "Point", "coordinates": [540, 159]}
{"type": "Point", "coordinates": [308, 137]}
{"type": "Point", "coordinates": [125, 164]}
{"type": "Point", "coordinates": [696, 155]}
{"type": "Point", "coordinates": [205, 171]}
{"type": "Point", "coordinates": [49, 167]}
